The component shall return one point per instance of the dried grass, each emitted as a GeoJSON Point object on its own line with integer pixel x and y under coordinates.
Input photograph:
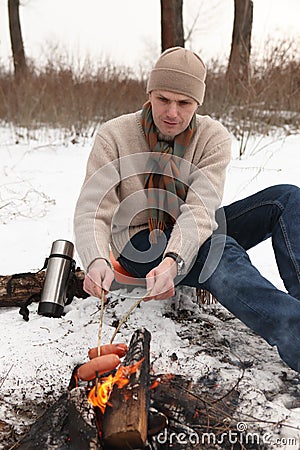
{"type": "Point", "coordinates": [58, 96]}
{"type": "Point", "coordinates": [61, 95]}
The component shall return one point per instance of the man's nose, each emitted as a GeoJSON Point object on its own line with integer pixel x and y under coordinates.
{"type": "Point", "coordinates": [172, 109]}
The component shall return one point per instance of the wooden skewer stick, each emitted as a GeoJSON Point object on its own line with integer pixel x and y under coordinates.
{"type": "Point", "coordinates": [125, 317]}
{"type": "Point", "coordinates": [101, 321]}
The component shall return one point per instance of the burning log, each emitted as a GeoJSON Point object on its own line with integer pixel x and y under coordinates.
{"type": "Point", "coordinates": [124, 423]}
{"type": "Point", "coordinates": [22, 288]}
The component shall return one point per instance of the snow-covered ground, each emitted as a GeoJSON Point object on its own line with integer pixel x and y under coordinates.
{"type": "Point", "coordinates": [41, 174]}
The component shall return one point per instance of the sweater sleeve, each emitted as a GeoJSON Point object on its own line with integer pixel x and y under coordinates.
{"type": "Point", "coordinates": [196, 221]}
{"type": "Point", "coordinates": [97, 202]}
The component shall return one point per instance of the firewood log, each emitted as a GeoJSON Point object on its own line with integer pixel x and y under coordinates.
{"type": "Point", "coordinates": [124, 424]}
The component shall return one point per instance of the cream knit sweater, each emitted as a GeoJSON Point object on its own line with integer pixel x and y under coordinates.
{"type": "Point", "coordinates": [112, 205]}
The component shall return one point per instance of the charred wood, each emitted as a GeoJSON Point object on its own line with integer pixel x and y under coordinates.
{"type": "Point", "coordinates": [68, 424]}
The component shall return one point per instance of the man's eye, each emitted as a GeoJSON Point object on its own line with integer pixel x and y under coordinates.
{"type": "Point", "coordinates": [162, 99]}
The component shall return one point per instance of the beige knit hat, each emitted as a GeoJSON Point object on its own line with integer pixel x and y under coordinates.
{"type": "Point", "coordinates": [179, 70]}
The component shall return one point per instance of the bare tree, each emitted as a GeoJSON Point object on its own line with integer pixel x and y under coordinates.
{"type": "Point", "coordinates": [238, 71]}
{"type": "Point", "coordinates": [171, 24]}
{"type": "Point", "coordinates": [16, 37]}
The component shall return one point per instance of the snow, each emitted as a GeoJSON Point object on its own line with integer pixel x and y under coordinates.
{"type": "Point", "coordinates": [41, 175]}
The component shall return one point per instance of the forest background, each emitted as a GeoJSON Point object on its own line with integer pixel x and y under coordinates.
{"type": "Point", "coordinates": [249, 91]}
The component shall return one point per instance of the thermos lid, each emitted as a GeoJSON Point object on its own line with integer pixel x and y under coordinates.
{"type": "Point", "coordinates": [62, 247]}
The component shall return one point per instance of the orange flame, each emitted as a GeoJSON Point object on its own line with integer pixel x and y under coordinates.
{"type": "Point", "coordinates": [155, 384]}
{"type": "Point", "coordinates": [100, 393]}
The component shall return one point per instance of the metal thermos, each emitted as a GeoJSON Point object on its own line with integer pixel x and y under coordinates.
{"type": "Point", "coordinates": [59, 267]}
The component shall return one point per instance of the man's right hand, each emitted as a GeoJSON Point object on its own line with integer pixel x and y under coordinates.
{"type": "Point", "coordinates": [98, 278]}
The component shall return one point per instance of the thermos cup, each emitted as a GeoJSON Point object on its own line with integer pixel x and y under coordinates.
{"type": "Point", "coordinates": [60, 265]}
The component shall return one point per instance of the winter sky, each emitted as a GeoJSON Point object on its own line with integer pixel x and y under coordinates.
{"type": "Point", "coordinates": [128, 32]}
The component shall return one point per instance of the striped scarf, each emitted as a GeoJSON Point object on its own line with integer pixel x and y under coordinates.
{"type": "Point", "coordinates": [165, 191]}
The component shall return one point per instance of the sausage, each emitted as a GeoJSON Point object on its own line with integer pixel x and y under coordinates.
{"type": "Point", "coordinates": [100, 364]}
{"type": "Point", "coordinates": [117, 349]}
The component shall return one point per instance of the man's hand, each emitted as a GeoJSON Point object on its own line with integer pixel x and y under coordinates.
{"type": "Point", "coordinates": [98, 278]}
{"type": "Point", "coordinates": [160, 280]}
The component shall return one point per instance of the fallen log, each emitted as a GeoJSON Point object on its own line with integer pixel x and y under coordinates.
{"type": "Point", "coordinates": [124, 423]}
{"type": "Point", "coordinates": [21, 288]}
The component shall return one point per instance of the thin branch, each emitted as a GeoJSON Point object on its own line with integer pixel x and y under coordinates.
{"type": "Point", "coordinates": [5, 376]}
{"type": "Point", "coordinates": [125, 317]}
{"type": "Point", "coordinates": [101, 321]}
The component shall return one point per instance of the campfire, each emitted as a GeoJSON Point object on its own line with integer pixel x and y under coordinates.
{"type": "Point", "coordinates": [129, 408]}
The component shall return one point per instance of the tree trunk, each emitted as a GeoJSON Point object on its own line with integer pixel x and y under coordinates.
{"type": "Point", "coordinates": [171, 24]}
{"type": "Point", "coordinates": [16, 37]}
{"type": "Point", "coordinates": [238, 71]}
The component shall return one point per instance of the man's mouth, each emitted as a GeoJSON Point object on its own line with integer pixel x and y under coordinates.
{"type": "Point", "coordinates": [167, 122]}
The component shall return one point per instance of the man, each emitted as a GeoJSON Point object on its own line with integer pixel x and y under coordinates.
{"type": "Point", "coordinates": [152, 194]}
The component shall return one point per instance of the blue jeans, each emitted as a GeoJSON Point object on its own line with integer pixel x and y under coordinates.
{"type": "Point", "coordinates": [235, 282]}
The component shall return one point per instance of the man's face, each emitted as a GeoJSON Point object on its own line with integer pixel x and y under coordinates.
{"type": "Point", "coordinates": [171, 112]}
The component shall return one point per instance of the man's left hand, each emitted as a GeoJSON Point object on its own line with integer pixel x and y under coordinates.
{"type": "Point", "coordinates": [160, 280]}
